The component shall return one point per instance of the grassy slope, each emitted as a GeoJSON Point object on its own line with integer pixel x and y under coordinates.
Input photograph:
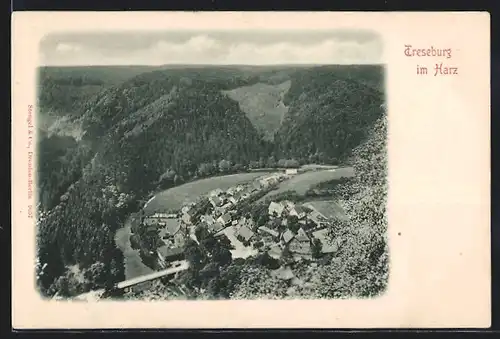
{"type": "Point", "coordinates": [263, 104]}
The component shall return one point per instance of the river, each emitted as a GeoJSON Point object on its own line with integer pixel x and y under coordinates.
{"type": "Point", "coordinates": [132, 260]}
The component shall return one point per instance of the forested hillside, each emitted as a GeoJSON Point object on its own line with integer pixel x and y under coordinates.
{"type": "Point", "coordinates": [164, 127]}
{"type": "Point", "coordinates": [328, 115]}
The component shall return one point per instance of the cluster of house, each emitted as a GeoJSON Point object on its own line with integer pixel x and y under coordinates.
{"type": "Point", "coordinates": [218, 212]}
{"type": "Point", "coordinates": [223, 203]}
{"type": "Point", "coordinates": [312, 224]}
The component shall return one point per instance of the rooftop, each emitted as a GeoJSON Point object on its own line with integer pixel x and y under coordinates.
{"type": "Point", "coordinates": [300, 209]}
{"type": "Point", "coordinates": [328, 209]}
{"type": "Point", "coordinates": [284, 273]}
{"type": "Point", "coordinates": [288, 235]}
{"type": "Point", "coordinates": [172, 226]}
{"type": "Point", "coordinates": [301, 235]}
{"type": "Point", "coordinates": [225, 218]}
{"type": "Point", "coordinates": [268, 230]}
{"type": "Point", "coordinates": [245, 232]}
{"type": "Point", "coordinates": [166, 251]}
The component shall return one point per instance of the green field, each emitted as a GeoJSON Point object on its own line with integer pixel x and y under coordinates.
{"type": "Point", "coordinates": [174, 198]}
{"type": "Point", "coordinates": [303, 182]}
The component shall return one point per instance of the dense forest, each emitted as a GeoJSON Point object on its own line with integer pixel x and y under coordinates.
{"type": "Point", "coordinates": [145, 129]}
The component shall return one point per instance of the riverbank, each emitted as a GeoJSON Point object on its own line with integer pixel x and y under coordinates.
{"type": "Point", "coordinates": [133, 264]}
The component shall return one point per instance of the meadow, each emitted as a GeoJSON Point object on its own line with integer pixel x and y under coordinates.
{"type": "Point", "coordinates": [174, 198]}
{"type": "Point", "coordinates": [263, 105]}
{"type": "Point", "coordinates": [301, 183]}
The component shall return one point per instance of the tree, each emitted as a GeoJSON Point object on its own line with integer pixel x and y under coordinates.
{"type": "Point", "coordinates": [208, 272]}
{"type": "Point", "coordinates": [193, 254]}
{"type": "Point", "coordinates": [96, 275]}
{"type": "Point", "coordinates": [221, 255]}
{"type": "Point", "coordinates": [205, 169]}
{"type": "Point", "coordinates": [293, 223]}
{"type": "Point", "coordinates": [225, 242]}
{"type": "Point", "coordinates": [258, 244]}
{"type": "Point", "coordinates": [271, 162]}
{"type": "Point", "coordinates": [263, 219]}
{"type": "Point", "coordinates": [224, 165]}
{"type": "Point", "coordinates": [316, 248]}
{"type": "Point", "coordinates": [213, 287]}
{"type": "Point", "coordinates": [208, 243]}
{"type": "Point", "coordinates": [265, 260]}
{"type": "Point", "coordinates": [201, 233]}
{"type": "Point", "coordinates": [291, 163]}
{"type": "Point", "coordinates": [60, 286]}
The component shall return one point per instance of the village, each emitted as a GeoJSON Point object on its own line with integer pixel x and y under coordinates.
{"type": "Point", "coordinates": [300, 230]}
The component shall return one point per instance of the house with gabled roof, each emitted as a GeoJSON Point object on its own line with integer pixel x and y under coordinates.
{"type": "Point", "coordinates": [299, 211]}
{"type": "Point", "coordinates": [216, 226]}
{"type": "Point", "coordinates": [246, 194]}
{"type": "Point", "coordinates": [171, 228]}
{"type": "Point", "coordinates": [287, 236]}
{"type": "Point", "coordinates": [276, 208]}
{"type": "Point", "coordinates": [208, 219]}
{"type": "Point", "coordinates": [236, 197]}
{"type": "Point", "coordinates": [216, 192]}
{"type": "Point", "coordinates": [267, 230]}
{"type": "Point", "coordinates": [227, 206]}
{"type": "Point", "coordinates": [216, 201]}
{"type": "Point", "coordinates": [317, 218]}
{"type": "Point", "coordinates": [186, 217]}
{"type": "Point", "coordinates": [245, 233]}
{"type": "Point", "coordinates": [225, 219]}
{"type": "Point", "coordinates": [230, 191]}
{"type": "Point", "coordinates": [300, 247]}
{"type": "Point", "coordinates": [167, 255]}
{"type": "Point", "coordinates": [180, 238]}
{"type": "Point", "coordinates": [287, 204]}
{"type": "Point", "coordinates": [302, 236]}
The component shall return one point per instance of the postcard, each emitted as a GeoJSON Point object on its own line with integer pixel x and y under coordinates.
{"type": "Point", "coordinates": [250, 170]}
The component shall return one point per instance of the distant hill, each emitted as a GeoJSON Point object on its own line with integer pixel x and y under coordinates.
{"type": "Point", "coordinates": [140, 129]}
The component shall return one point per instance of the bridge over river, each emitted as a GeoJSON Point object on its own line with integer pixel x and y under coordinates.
{"type": "Point", "coordinates": [97, 294]}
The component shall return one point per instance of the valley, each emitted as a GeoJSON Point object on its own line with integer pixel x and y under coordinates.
{"type": "Point", "coordinates": [115, 137]}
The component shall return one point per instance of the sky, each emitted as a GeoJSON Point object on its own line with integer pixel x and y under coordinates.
{"type": "Point", "coordinates": [212, 47]}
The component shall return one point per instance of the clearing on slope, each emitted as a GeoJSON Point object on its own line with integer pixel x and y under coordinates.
{"type": "Point", "coordinates": [263, 105]}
